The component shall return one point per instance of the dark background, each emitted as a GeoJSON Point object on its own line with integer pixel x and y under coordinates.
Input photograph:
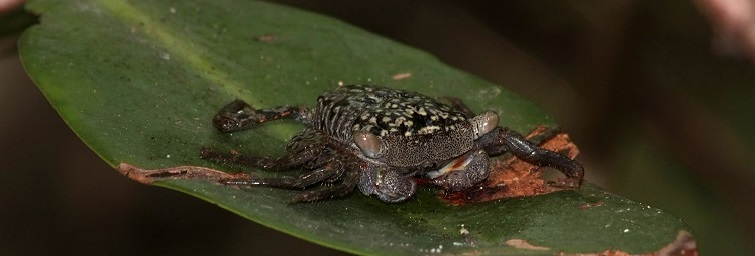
{"type": "Point", "coordinates": [657, 94]}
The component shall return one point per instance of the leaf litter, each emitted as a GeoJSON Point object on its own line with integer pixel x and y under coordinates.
{"type": "Point", "coordinates": [179, 172]}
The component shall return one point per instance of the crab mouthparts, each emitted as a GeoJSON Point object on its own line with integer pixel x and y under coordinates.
{"type": "Point", "coordinates": [458, 164]}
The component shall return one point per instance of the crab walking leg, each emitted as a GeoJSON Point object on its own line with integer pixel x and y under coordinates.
{"type": "Point", "coordinates": [349, 180]}
{"type": "Point", "coordinates": [301, 182]}
{"type": "Point", "coordinates": [527, 151]}
{"type": "Point", "coordinates": [539, 139]}
{"type": "Point", "coordinates": [238, 115]}
{"type": "Point", "coordinates": [303, 147]}
{"type": "Point", "coordinates": [502, 140]}
{"type": "Point", "coordinates": [282, 163]}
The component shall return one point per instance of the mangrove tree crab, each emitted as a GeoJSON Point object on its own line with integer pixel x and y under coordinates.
{"type": "Point", "coordinates": [378, 139]}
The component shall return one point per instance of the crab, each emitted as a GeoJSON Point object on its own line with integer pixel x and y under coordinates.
{"type": "Point", "coordinates": [378, 140]}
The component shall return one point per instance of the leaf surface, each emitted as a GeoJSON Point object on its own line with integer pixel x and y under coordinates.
{"type": "Point", "coordinates": [139, 82]}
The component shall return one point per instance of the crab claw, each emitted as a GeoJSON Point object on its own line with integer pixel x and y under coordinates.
{"type": "Point", "coordinates": [389, 186]}
{"type": "Point", "coordinates": [463, 172]}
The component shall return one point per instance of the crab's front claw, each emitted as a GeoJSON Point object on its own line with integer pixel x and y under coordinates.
{"type": "Point", "coordinates": [463, 172]}
{"type": "Point", "coordinates": [389, 186]}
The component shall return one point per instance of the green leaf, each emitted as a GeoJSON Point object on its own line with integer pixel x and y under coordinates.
{"type": "Point", "coordinates": [139, 82]}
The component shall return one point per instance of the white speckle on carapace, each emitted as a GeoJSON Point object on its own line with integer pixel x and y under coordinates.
{"type": "Point", "coordinates": [421, 111]}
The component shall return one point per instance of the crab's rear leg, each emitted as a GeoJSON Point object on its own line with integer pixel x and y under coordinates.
{"type": "Point", "coordinates": [333, 171]}
{"type": "Point", "coordinates": [238, 115]}
{"type": "Point", "coordinates": [347, 181]}
{"type": "Point", "coordinates": [503, 140]}
{"type": "Point", "coordinates": [281, 163]}
{"type": "Point", "coordinates": [300, 182]}
{"type": "Point", "coordinates": [306, 146]}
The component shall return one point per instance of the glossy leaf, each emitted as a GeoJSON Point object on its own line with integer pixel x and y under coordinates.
{"type": "Point", "coordinates": [139, 82]}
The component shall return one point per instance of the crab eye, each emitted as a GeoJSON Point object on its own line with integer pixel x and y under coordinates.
{"type": "Point", "coordinates": [370, 144]}
{"type": "Point", "coordinates": [484, 123]}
